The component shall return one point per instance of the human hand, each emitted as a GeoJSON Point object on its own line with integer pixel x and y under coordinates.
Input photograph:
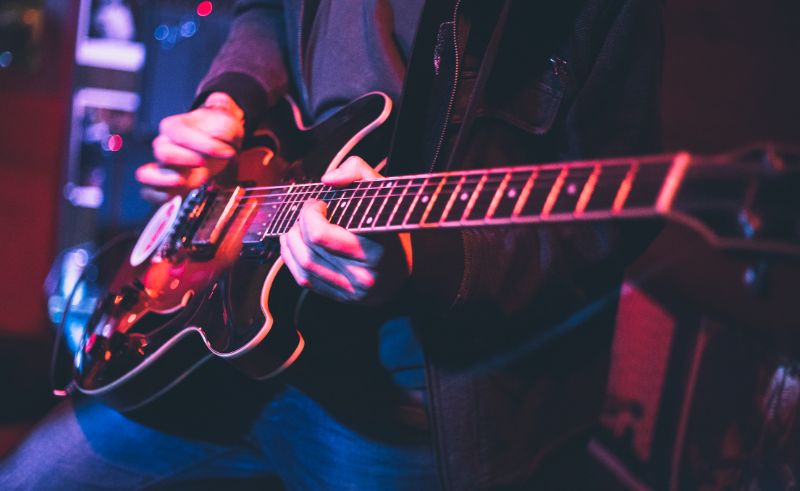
{"type": "Point", "coordinates": [192, 147]}
{"type": "Point", "coordinates": [338, 264]}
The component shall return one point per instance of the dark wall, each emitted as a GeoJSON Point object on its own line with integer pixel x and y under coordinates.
{"type": "Point", "coordinates": [34, 111]}
{"type": "Point", "coordinates": [731, 73]}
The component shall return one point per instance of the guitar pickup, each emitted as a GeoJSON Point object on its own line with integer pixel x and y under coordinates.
{"type": "Point", "coordinates": [215, 220]}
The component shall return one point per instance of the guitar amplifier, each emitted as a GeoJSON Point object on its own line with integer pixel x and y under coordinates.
{"type": "Point", "coordinates": [693, 404]}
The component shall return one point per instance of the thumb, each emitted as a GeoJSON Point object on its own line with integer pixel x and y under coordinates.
{"type": "Point", "coordinates": [316, 206]}
{"type": "Point", "coordinates": [352, 169]}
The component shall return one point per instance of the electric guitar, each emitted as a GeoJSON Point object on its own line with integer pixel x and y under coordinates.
{"type": "Point", "coordinates": [205, 278]}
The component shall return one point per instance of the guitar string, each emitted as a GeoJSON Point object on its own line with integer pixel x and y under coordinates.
{"type": "Point", "coordinates": [340, 196]}
{"type": "Point", "coordinates": [276, 224]}
{"type": "Point", "coordinates": [380, 192]}
{"type": "Point", "coordinates": [287, 210]}
{"type": "Point", "coordinates": [516, 169]}
{"type": "Point", "coordinates": [307, 187]}
{"type": "Point", "coordinates": [431, 183]}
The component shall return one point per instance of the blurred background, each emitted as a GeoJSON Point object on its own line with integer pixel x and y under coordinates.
{"type": "Point", "coordinates": [84, 83]}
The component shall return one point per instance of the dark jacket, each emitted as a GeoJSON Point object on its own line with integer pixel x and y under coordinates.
{"type": "Point", "coordinates": [516, 323]}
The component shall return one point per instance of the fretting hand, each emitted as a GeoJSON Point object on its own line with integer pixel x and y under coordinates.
{"type": "Point", "coordinates": [338, 264]}
{"type": "Point", "coordinates": [192, 147]}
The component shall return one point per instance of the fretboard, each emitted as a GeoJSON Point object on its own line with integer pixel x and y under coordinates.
{"type": "Point", "coordinates": [499, 196]}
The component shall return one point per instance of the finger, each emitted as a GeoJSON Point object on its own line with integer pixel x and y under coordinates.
{"type": "Point", "coordinates": [299, 274]}
{"type": "Point", "coordinates": [171, 179]}
{"type": "Point", "coordinates": [152, 196]}
{"type": "Point", "coordinates": [182, 134]}
{"type": "Point", "coordinates": [318, 233]}
{"type": "Point", "coordinates": [155, 175]}
{"type": "Point", "coordinates": [352, 169]}
{"type": "Point", "coordinates": [310, 270]}
{"type": "Point", "coordinates": [220, 124]}
{"type": "Point", "coordinates": [353, 274]}
{"type": "Point", "coordinates": [169, 153]}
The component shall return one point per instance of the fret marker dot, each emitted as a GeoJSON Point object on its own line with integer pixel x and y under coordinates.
{"type": "Point", "coordinates": [425, 199]}
{"type": "Point", "coordinates": [512, 193]}
{"type": "Point", "coordinates": [294, 207]}
{"type": "Point", "coordinates": [572, 189]}
{"type": "Point", "coordinates": [343, 204]}
{"type": "Point", "coordinates": [369, 219]}
{"type": "Point", "coordinates": [464, 196]}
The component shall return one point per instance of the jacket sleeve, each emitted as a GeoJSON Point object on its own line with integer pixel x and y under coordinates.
{"type": "Point", "coordinates": [251, 66]}
{"type": "Point", "coordinates": [489, 291]}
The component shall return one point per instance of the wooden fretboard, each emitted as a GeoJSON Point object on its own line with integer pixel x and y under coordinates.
{"type": "Point", "coordinates": [499, 196]}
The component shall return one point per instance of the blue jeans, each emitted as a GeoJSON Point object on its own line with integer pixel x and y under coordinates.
{"type": "Point", "coordinates": [85, 445]}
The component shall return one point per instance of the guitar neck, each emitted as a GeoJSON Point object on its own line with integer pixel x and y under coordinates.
{"type": "Point", "coordinates": [500, 196]}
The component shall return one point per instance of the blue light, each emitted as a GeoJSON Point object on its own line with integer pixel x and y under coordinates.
{"type": "Point", "coordinates": [188, 29]}
{"type": "Point", "coordinates": [161, 32]}
{"type": "Point", "coordinates": [5, 59]}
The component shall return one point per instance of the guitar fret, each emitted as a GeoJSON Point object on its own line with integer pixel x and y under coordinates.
{"type": "Point", "coordinates": [650, 178]}
{"type": "Point", "coordinates": [432, 201]}
{"type": "Point", "coordinates": [525, 194]}
{"type": "Point", "coordinates": [342, 204]}
{"type": "Point", "coordinates": [571, 189]}
{"type": "Point", "coordinates": [312, 192]}
{"type": "Point", "coordinates": [389, 185]}
{"type": "Point", "coordinates": [474, 197]}
{"type": "Point", "coordinates": [625, 188]}
{"type": "Point", "coordinates": [366, 216]}
{"type": "Point", "coordinates": [282, 209]}
{"type": "Point", "coordinates": [676, 172]}
{"type": "Point", "coordinates": [605, 191]}
{"type": "Point", "coordinates": [265, 216]}
{"type": "Point", "coordinates": [488, 194]}
{"type": "Point", "coordinates": [452, 199]}
{"type": "Point", "coordinates": [359, 200]}
{"type": "Point", "coordinates": [466, 188]}
{"type": "Point", "coordinates": [401, 207]}
{"type": "Point", "coordinates": [554, 192]}
{"type": "Point", "coordinates": [301, 196]}
{"type": "Point", "coordinates": [498, 195]}
{"type": "Point", "coordinates": [539, 192]}
{"type": "Point", "coordinates": [415, 201]}
{"type": "Point", "coordinates": [588, 190]}
{"type": "Point", "coordinates": [507, 202]}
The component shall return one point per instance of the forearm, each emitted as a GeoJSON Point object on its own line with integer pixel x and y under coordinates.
{"type": "Point", "coordinates": [250, 65]}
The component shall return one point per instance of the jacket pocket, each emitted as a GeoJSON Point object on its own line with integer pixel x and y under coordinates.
{"type": "Point", "coordinates": [531, 106]}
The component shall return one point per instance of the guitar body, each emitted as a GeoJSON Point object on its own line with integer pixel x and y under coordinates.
{"type": "Point", "coordinates": [195, 285]}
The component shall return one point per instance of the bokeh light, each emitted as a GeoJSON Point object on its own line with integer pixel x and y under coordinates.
{"type": "Point", "coordinates": [161, 32]}
{"type": "Point", "coordinates": [205, 8]}
{"type": "Point", "coordinates": [113, 143]}
{"type": "Point", "coordinates": [5, 59]}
{"type": "Point", "coordinates": [188, 29]}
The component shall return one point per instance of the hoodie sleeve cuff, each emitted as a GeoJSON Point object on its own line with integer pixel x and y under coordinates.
{"type": "Point", "coordinates": [243, 89]}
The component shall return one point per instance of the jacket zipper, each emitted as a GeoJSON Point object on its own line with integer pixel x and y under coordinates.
{"type": "Point", "coordinates": [452, 100]}
{"type": "Point", "coordinates": [300, 68]}
{"type": "Point", "coordinates": [437, 443]}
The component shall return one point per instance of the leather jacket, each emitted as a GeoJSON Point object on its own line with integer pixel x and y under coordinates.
{"type": "Point", "coordinates": [515, 323]}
